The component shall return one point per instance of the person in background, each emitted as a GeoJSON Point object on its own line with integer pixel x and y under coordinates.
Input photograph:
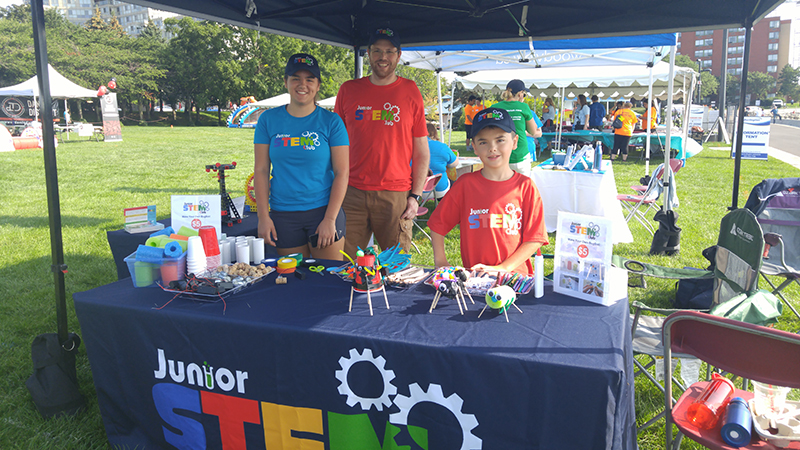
{"type": "Point", "coordinates": [581, 114]}
{"type": "Point", "coordinates": [650, 114]}
{"type": "Point", "coordinates": [385, 118]}
{"type": "Point", "coordinates": [596, 114]}
{"type": "Point", "coordinates": [472, 107]}
{"type": "Point", "coordinates": [442, 157]}
{"type": "Point", "coordinates": [775, 114]}
{"type": "Point", "coordinates": [548, 114]}
{"type": "Point", "coordinates": [622, 135]}
{"type": "Point", "coordinates": [617, 107]}
{"type": "Point", "coordinates": [305, 148]}
{"type": "Point", "coordinates": [500, 211]}
{"type": "Point", "coordinates": [524, 120]}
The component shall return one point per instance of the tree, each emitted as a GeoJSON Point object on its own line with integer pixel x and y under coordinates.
{"type": "Point", "coordinates": [96, 22]}
{"type": "Point", "coordinates": [114, 25]}
{"type": "Point", "coordinates": [759, 84]}
{"type": "Point", "coordinates": [709, 84]}
{"type": "Point", "coordinates": [788, 81]}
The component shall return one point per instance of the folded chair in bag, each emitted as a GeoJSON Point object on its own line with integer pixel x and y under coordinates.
{"type": "Point", "coordinates": [776, 205]}
{"type": "Point", "coordinates": [750, 351]}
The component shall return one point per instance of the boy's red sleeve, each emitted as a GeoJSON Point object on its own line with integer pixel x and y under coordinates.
{"type": "Point", "coordinates": [446, 215]}
{"type": "Point", "coordinates": [533, 227]}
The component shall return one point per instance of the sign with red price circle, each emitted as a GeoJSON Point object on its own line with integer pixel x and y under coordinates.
{"type": "Point", "coordinates": [582, 260]}
{"type": "Point", "coordinates": [583, 251]}
{"type": "Point", "coordinates": [195, 211]}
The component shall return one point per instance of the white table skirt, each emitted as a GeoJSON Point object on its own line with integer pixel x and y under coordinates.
{"type": "Point", "coordinates": [584, 193]}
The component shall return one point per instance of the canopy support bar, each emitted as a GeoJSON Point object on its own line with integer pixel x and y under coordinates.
{"type": "Point", "coordinates": [737, 164]}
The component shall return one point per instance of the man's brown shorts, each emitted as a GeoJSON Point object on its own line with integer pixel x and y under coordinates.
{"type": "Point", "coordinates": [376, 212]}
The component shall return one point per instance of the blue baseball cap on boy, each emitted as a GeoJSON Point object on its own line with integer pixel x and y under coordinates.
{"type": "Point", "coordinates": [385, 33]}
{"type": "Point", "coordinates": [302, 61]}
{"type": "Point", "coordinates": [493, 117]}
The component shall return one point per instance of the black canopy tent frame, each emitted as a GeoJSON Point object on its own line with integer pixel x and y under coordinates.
{"type": "Point", "coordinates": [347, 23]}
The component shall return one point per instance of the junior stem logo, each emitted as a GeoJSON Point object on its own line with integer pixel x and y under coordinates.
{"type": "Point", "coordinates": [202, 389]}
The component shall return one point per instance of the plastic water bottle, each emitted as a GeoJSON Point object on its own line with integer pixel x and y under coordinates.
{"type": "Point", "coordinates": [598, 156]}
{"type": "Point", "coordinates": [538, 273]}
{"type": "Point", "coordinates": [707, 408]}
{"type": "Point", "coordinates": [737, 423]}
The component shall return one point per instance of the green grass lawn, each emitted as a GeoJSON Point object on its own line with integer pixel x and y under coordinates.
{"type": "Point", "coordinates": [98, 180]}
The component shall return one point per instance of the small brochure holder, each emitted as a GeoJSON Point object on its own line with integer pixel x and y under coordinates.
{"type": "Point", "coordinates": [583, 260]}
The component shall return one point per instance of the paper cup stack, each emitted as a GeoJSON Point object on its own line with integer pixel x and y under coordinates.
{"type": "Point", "coordinates": [208, 234]}
{"type": "Point", "coordinates": [195, 256]}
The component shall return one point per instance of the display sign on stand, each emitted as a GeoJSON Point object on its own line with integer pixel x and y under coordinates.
{"type": "Point", "coordinates": [583, 260]}
{"type": "Point", "coordinates": [195, 211]}
{"type": "Point", "coordinates": [112, 130]}
{"type": "Point", "coordinates": [755, 138]}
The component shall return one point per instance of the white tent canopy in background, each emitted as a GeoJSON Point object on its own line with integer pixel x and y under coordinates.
{"type": "Point", "coordinates": [60, 87]}
{"type": "Point", "coordinates": [272, 102]}
{"type": "Point", "coordinates": [328, 103]}
{"type": "Point", "coordinates": [608, 79]}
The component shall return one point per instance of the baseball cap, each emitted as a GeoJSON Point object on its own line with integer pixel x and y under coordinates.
{"type": "Point", "coordinates": [302, 61]}
{"type": "Point", "coordinates": [493, 117]}
{"type": "Point", "coordinates": [516, 85]}
{"type": "Point", "coordinates": [385, 33]}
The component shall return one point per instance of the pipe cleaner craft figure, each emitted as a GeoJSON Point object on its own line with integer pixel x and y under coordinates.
{"type": "Point", "coordinates": [449, 282]}
{"type": "Point", "coordinates": [500, 298]}
{"type": "Point", "coordinates": [367, 277]}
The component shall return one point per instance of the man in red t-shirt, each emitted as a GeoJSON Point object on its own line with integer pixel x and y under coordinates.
{"type": "Point", "coordinates": [385, 119]}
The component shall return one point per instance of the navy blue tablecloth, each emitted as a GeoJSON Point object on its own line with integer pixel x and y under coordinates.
{"type": "Point", "coordinates": [123, 243]}
{"type": "Point", "coordinates": [289, 362]}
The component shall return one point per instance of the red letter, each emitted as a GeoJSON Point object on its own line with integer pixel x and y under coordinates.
{"type": "Point", "coordinates": [233, 412]}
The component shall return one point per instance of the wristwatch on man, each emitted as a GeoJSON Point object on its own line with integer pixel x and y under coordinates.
{"type": "Point", "coordinates": [414, 196]}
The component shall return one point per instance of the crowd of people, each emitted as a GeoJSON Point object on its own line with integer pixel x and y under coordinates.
{"type": "Point", "coordinates": [327, 182]}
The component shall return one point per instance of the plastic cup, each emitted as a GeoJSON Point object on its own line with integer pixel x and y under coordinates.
{"type": "Point", "coordinates": [208, 234]}
{"type": "Point", "coordinates": [258, 250]}
{"type": "Point", "coordinates": [250, 240]}
{"type": "Point", "coordinates": [243, 253]}
{"type": "Point", "coordinates": [768, 398]}
{"type": "Point", "coordinates": [213, 261]}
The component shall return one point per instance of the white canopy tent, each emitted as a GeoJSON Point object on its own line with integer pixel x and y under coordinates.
{"type": "Point", "coordinates": [623, 80]}
{"type": "Point", "coordinates": [60, 87]}
{"type": "Point", "coordinates": [272, 102]}
{"type": "Point", "coordinates": [328, 103]}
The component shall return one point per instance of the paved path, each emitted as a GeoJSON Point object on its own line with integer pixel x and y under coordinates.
{"type": "Point", "coordinates": [784, 141]}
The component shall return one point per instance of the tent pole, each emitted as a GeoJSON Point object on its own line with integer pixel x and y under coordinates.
{"type": "Point", "coordinates": [51, 171]}
{"type": "Point", "coordinates": [649, 121]}
{"type": "Point", "coordinates": [560, 120]}
{"type": "Point", "coordinates": [723, 84]}
{"type": "Point", "coordinates": [668, 147]}
{"type": "Point", "coordinates": [441, 110]}
{"type": "Point", "coordinates": [685, 130]}
{"type": "Point", "coordinates": [358, 70]}
{"type": "Point", "coordinates": [450, 119]}
{"type": "Point", "coordinates": [737, 164]}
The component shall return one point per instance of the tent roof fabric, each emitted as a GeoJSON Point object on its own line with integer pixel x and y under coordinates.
{"type": "Point", "coordinates": [527, 54]}
{"type": "Point", "coordinates": [347, 23]}
{"type": "Point", "coordinates": [615, 78]}
{"type": "Point", "coordinates": [272, 102]}
{"type": "Point", "coordinates": [60, 87]}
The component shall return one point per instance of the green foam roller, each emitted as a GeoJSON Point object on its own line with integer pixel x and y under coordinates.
{"type": "Point", "coordinates": [186, 231]}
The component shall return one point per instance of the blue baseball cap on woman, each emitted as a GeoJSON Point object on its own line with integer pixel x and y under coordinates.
{"type": "Point", "coordinates": [302, 61]}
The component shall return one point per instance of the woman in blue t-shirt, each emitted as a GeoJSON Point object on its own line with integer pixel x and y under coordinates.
{"type": "Point", "coordinates": [307, 149]}
{"type": "Point", "coordinates": [442, 157]}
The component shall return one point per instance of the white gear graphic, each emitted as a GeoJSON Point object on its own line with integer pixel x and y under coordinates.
{"type": "Point", "coordinates": [394, 109]}
{"type": "Point", "coordinates": [380, 364]}
{"type": "Point", "coordinates": [434, 395]}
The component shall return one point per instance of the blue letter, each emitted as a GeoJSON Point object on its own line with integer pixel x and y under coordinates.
{"type": "Point", "coordinates": [168, 397]}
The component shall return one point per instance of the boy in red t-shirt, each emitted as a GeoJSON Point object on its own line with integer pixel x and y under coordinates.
{"type": "Point", "coordinates": [500, 211]}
